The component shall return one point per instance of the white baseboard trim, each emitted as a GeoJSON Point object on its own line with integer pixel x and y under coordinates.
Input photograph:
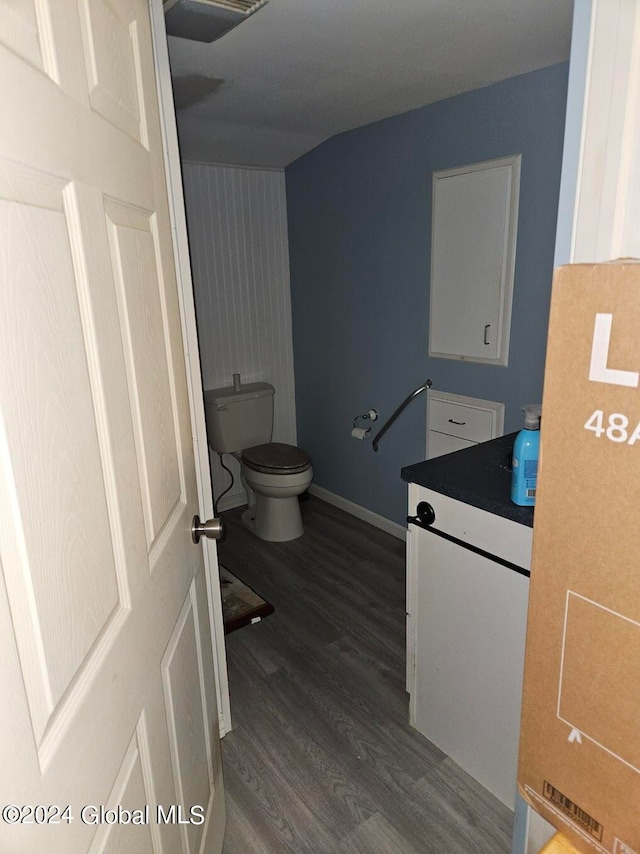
{"type": "Point", "coordinates": [360, 512]}
{"type": "Point", "coordinates": [233, 499]}
{"type": "Point", "coordinates": [222, 724]}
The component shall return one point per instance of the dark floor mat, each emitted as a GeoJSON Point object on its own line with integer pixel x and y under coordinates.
{"type": "Point", "coordinates": [240, 604]}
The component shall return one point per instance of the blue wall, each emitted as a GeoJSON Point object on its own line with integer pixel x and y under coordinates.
{"type": "Point", "coordinates": [359, 211]}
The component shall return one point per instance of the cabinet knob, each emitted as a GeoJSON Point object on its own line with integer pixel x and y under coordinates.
{"type": "Point", "coordinates": [425, 515]}
{"type": "Point", "coordinates": [487, 326]}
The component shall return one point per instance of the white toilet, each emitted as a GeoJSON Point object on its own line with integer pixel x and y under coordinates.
{"type": "Point", "coordinates": [240, 422]}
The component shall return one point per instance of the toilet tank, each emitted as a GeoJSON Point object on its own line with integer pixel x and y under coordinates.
{"type": "Point", "coordinates": [239, 419]}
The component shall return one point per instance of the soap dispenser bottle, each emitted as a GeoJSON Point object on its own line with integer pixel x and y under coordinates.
{"type": "Point", "coordinates": [526, 451]}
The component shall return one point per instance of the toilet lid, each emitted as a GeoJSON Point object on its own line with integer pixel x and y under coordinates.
{"type": "Point", "coordinates": [276, 457]}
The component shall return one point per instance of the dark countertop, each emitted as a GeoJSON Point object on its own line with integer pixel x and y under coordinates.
{"type": "Point", "coordinates": [480, 476]}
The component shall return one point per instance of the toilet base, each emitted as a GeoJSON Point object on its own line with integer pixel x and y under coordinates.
{"type": "Point", "coordinates": [275, 520]}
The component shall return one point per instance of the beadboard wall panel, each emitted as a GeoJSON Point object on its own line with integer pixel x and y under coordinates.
{"type": "Point", "coordinates": [237, 224]}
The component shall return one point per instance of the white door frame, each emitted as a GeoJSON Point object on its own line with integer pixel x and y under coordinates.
{"type": "Point", "coordinates": [599, 211]}
{"type": "Point", "coordinates": [606, 212]}
{"type": "Point", "coordinates": [192, 353]}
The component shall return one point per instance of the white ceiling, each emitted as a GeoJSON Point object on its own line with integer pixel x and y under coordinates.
{"type": "Point", "coordinates": [300, 71]}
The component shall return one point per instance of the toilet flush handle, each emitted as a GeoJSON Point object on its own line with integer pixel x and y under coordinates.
{"type": "Point", "coordinates": [213, 529]}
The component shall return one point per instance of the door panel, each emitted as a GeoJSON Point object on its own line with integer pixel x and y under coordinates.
{"type": "Point", "coordinates": [106, 645]}
{"type": "Point", "coordinates": [55, 520]}
{"type": "Point", "coordinates": [129, 787]}
{"type": "Point", "coordinates": [112, 55]}
{"type": "Point", "coordinates": [19, 29]}
{"type": "Point", "coordinates": [145, 343]}
{"type": "Point", "coordinates": [187, 714]}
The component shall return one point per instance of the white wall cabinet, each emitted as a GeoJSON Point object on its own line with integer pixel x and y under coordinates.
{"type": "Point", "coordinates": [473, 248]}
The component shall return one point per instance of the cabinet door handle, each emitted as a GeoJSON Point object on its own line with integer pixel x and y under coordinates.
{"type": "Point", "coordinates": [487, 326]}
{"type": "Point", "coordinates": [426, 516]}
{"type": "Point", "coordinates": [459, 423]}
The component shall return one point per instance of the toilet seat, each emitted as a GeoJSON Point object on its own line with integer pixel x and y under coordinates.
{"type": "Point", "coordinates": [276, 458]}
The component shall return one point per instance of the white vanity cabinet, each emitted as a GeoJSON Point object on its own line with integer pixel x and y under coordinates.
{"type": "Point", "coordinates": [455, 421]}
{"type": "Point", "coordinates": [466, 625]}
{"type": "Point", "coordinates": [468, 560]}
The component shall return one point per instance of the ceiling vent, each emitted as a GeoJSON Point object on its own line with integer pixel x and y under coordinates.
{"type": "Point", "coordinates": [206, 20]}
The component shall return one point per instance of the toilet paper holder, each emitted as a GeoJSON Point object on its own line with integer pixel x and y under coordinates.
{"type": "Point", "coordinates": [371, 415]}
{"type": "Point", "coordinates": [362, 432]}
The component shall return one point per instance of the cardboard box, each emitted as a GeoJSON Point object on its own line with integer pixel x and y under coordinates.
{"type": "Point", "coordinates": [579, 762]}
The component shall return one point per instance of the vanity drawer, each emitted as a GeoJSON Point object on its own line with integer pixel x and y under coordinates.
{"type": "Point", "coordinates": [461, 420]}
{"type": "Point", "coordinates": [443, 443]}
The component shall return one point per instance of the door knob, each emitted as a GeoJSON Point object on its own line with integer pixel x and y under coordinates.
{"type": "Point", "coordinates": [213, 529]}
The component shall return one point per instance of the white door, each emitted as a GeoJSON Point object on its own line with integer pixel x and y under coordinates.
{"type": "Point", "coordinates": [107, 666]}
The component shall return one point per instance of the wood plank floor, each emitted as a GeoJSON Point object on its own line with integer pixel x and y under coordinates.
{"type": "Point", "coordinates": [321, 758]}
